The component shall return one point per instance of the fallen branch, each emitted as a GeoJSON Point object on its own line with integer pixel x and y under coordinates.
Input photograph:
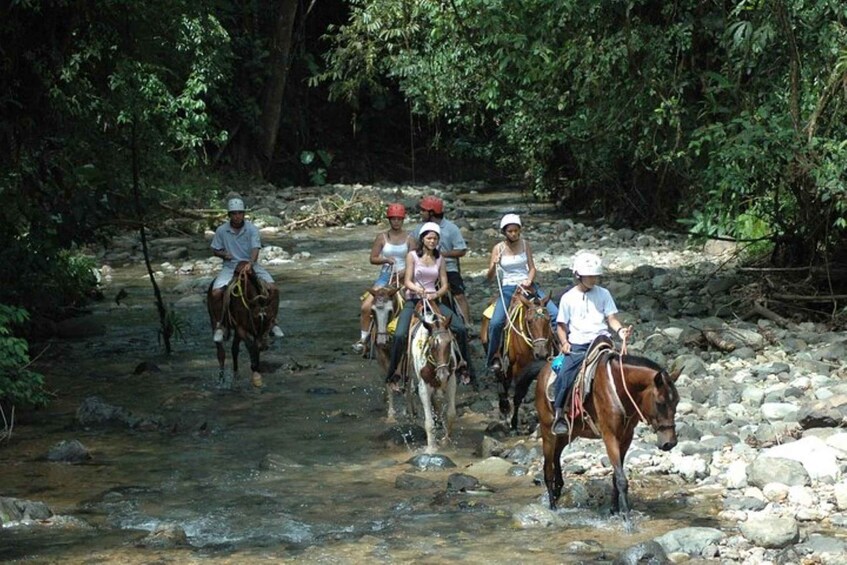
{"type": "Point", "coordinates": [761, 310]}
{"type": "Point", "coordinates": [804, 298]}
{"type": "Point", "coordinates": [717, 341]}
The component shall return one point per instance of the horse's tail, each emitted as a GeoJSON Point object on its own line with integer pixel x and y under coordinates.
{"type": "Point", "coordinates": [526, 376]}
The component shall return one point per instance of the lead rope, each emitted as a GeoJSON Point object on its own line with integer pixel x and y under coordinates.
{"type": "Point", "coordinates": [623, 380]}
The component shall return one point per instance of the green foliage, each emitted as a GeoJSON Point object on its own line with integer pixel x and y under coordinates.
{"type": "Point", "coordinates": [18, 385]}
{"type": "Point", "coordinates": [654, 111]}
{"type": "Point", "coordinates": [317, 168]}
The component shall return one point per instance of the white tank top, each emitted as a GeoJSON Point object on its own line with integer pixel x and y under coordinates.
{"type": "Point", "coordinates": [515, 268]}
{"type": "Point", "coordinates": [397, 251]}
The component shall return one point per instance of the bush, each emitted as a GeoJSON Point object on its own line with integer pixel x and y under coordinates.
{"type": "Point", "coordinates": [18, 385]}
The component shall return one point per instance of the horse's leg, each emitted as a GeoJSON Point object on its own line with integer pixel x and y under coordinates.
{"type": "Point", "coordinates": [552, 447]}
{"type": "Point", "coordinates": [425, 394]}
{"type": "Point", "coordinates": [221, 359]}
{"type": "Point", "coordinates": [505, 378]}
{"type": "Point", "coordinates": [620, 484]}
{"type": "Point", "coordinates": [253, 350]}
{"type": "Point", "coordinates": [236, 343]}
{"type": "Point", "coordinates": [451, 407]}
{"type": "Point", "coordinates": [515, 370]}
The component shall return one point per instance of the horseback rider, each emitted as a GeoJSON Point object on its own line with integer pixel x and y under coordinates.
{"type": "Point", "coordinates": [586, 311]}
{"type": "Point", "coordinates": [511, 262]}
{"type": "Point", "coordinates": [452, 246]}
{"type": "Point", "coordinates": [425, 267]}
{"type": "Point", "coordinates": [389, 250]}
{"type": "Point", "coordinates": [236, 241]}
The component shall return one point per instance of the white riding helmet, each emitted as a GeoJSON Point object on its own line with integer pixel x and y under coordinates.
{"type": "Point", "coordinates": [430, 226]}
{"type": "Point", "coordinates": [509, 219]}
{"type": "Point", "coordinates": [235, 205]}
{"type": "Point", "coordinates": [587, 265]}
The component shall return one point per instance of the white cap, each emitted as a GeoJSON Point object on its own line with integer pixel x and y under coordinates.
{"type": "Point", "coordinates": [587, 265]}
{"type": "Point", "coordinates": [235, 205]}
{"type": "Point", "coordinates": [510, 219]}
{"type": "Point", "coordinates": [430, 226]}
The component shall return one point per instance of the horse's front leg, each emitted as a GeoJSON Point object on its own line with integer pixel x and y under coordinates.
{"type": "Point", "coordinates": [620, 484]}
{"type": "Point", "coordinates": [221, 359]}
{"type": "Point", "coordinates": [253, 345]}
{"type": "Point", "coordinates": [552, 467]}
{"type": "Point", "coordinates": [505, 407]}
{"type": "Point", "coordinates": [450, 420]}
{"type": "Point", "coordinates": [236, 344]}
{"type": "Point", "coordinates": [425, 393]}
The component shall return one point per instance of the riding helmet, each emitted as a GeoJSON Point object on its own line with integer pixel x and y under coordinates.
{"type": "Point", "coordinates": [433, 204]}
{"type": "Point", "coordinates": [235, 205]}
{"type": "Point", "coordinates": [396, 210]}
{"type": "Point", "coordinates": [587, 265]}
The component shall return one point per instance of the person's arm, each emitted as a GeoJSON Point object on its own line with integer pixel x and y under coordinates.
{"type": "Point", "coordinates": [616, 326]}
{"type": "Point", "coordinates": [222, 253]}
{"type": "Point", "coordinates": [455, 253]}
{"type": "Point", "coordinates": [494, 260]}
{"type": "Point", "coordinates": [530, 263]}
{"type": "Point", "coordinates": [562, 332]}
{"type": "Point", "coordinates": [410, 285]}
{"type": "Point", "coordinates": [376, 251]}
{"type": "Point", "coordinates": [443, 284]}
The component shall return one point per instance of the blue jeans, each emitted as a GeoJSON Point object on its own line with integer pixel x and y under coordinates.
{"type": "Point", "coordinates": [498, 320]}
{"type": "Point", "coordinates": [401, 334]}
{"type": "Point", "coordinates": [568, 371]}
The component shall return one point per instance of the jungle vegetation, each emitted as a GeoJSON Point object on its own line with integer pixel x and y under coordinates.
{"type": "Point", "coordinates": [722, 118]}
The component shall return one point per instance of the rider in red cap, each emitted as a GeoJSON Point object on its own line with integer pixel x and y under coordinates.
{"type": "Point", "coordinates": [389, 250]}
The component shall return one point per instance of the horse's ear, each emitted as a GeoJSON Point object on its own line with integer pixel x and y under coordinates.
{"type": "Point", "coordinates": [675, 375]}
{"type": "Point", "coordinates": [392, 290]}
{"type": "Point", "coordinates": [523, 299]}
{"type": "Point", "coordinates": [545, 300]}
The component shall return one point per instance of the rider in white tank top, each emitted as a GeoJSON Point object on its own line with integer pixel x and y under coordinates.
{"type": "Point", "coordinates": [515, 268]}
{"type": "Point", "coordinates": [398, 251]}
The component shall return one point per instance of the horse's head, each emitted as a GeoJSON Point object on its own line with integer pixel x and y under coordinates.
{"type": "Point", "coordinates": [537, 323]}
{"type": "Point", "coordinates": [383, 308]}
{"type": "Point", "coordinates": [440, 344]}
{"type": "Point", "coordinates": [253, 295]}
{"type": "Point", "coordinates": [661, 408]}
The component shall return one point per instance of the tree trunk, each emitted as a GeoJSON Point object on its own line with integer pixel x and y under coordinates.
{"type": "Point", "coordinates": [280, 63]}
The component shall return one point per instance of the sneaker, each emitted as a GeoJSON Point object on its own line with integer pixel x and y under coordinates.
{"type": "Point", "coordinates": [276, 331]}
{"type": "Point", "coordinates": [218, 337]}
{"type": "Point", "coordinates": [359, 347]}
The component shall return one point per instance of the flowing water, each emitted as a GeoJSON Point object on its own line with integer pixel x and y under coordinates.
{"type": "Point", "coordinates": [295, 471]}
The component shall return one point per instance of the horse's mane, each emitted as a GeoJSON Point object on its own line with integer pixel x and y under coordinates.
{"type": "Point", "coordinates": [639, 361]}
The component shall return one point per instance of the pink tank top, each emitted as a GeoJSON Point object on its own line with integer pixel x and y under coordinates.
{"type": "Point", "coordinates": [424, 275]}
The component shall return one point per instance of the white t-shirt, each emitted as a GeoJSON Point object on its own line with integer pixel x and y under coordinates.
{"type": "Point", "coordinates": [585, 313]}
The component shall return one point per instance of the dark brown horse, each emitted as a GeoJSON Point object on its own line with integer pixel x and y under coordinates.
{"type": "Point", "coordinates": [248, 305]}
{"type": "Point", "coordinates": [625, 389]}
{"type": "Point", "coordinates": [528, 336]}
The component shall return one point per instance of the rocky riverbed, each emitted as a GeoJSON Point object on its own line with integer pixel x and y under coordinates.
{"type": "Point", "coordinates": [761, 423]}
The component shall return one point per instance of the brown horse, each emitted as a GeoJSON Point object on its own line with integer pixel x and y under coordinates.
{"type": "Point", "coordinates": [384, 308]}
{"type": "Point", "coordinates": [528, 336]}
{"type": "Point", "coordinates": [248, 305]}
{"type": "Point", "coordinates": [625, 389]}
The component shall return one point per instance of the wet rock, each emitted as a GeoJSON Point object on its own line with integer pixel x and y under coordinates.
{"type": "Point", "coordinates": [321, 391]}
{"type": "Point", "coordinates": [17, 510]}
{"type": "Point", "coordinates": [828, 413]}
{"type": "Point", "coordinates": [691, 541]}
{"type": "Point", "coordinates": [69, 452]}
{"type": "Point", "coordinates": [410, 481]}
{"type": "Point", "coordinates": [771, 532]}
{"type": "Point", "coordinates": [146, 367]}
{"type": "Point", "coordinates": [537, 516]}
{"type": "Point", "coordinates": [94, 411]}
{"type": "Point", "coordinates": [818, 459]}
{"type": "Point", "coordinates": [645, 553]}
{"type": "Point", "coordinates": [490, 446]}
{"type": "Point", "coordinates": [429, 462]}
{"type": "Point", "coordinates": [766, 470]}
{"type": "Point", "coordinates": [492, 466]}
{"type": "Point", "coordinates": [412, 434]}
{"type": "Point", "coordinates": [165, 536]}
{"type": "Point", "coordinates": [744, 503]}
{"type": "Point", "coordinates": [459, 482]}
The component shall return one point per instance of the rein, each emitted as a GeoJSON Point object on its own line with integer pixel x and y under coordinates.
{"type": "Point", "coordinates": [498, 276]}
{"type": "Point", "coordinates": [626, 388]}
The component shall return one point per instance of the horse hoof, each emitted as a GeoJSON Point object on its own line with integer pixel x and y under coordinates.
{"type": "Point", "coordinates": [256, 381]}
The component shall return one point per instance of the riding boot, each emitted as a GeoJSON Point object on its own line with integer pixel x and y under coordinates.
{"type": "Point", "coordinates": [560, 424]}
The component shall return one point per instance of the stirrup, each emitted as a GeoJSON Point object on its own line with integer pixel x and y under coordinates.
{"type": "Point", "coordinates": [560, 424]}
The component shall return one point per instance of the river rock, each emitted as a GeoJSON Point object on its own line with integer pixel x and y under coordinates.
{"type": "Point", "coordinates": [18, 510]}
{"type": "Point", "coordinates": [644, 553]}
{"type": "Point", "coordinates": [819, 459]}
{"type": "Point", "coordinates": [428, 462]}
{"type": "Point", "coordinates": [691, 541]}
{"type": "Point", "coordinates": [71, 451]}
{"type": "Point", "coordinates": [459, 482]}
{"type": "Point", "coordinates": [537, 516]}
{"type": "Point", "coordinates": [94, 411]}
{"type": "Point", "coordinates": [491, 466]}
{"type": "Point", "coordinates": [771, 532]}
{"type": "Point", "coordinates": [411, 481]}
{"type": "Point", "coordinates": [828, 413]}
{"type": "Point", "coordinates": [165, 536]}
{"type": "Point", "coordinates": [771, 469]}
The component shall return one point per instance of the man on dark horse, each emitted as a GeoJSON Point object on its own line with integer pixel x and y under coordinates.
{"type": "Point", "coordinates": [237, 241]}
{"type": "Point", "coordinates": [586, 312]}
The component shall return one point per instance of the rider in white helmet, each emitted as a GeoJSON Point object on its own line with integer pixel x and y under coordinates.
{"type": "Point", "coordinates": [235, 241]}
{"type": "Point", "coordinates": [586, 312]}
{"type": "Point", "coordinates": [511, 261]}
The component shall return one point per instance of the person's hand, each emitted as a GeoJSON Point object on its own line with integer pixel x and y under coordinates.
{"type": "Point", "coordinates": [565, 348]}
{"type": "Point", "coordinates": [390, 260]}
{"type": "Point", "coordinates": [625, 332]}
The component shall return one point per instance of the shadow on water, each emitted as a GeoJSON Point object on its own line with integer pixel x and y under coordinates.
{"type": "Point", "coordinates": [295, 470]}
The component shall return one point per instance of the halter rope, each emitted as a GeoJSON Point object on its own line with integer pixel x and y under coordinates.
{"type": "Point", "coordinates": [623, 380]}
